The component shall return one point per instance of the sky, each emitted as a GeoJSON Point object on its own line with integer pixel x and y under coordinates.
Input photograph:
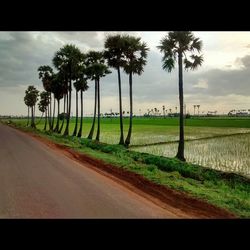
{"type": "Point", "coordinates": [221, 84]}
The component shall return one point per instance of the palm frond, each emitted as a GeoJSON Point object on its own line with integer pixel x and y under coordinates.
{"type": "Point", "coordinates": [195, 63]}
{"type": "Point", "coordinates": [168, 64]}
{"type": "Point", "coordinates": [196, 45]}
{"type": "Point", "coordinates": [135, 54]}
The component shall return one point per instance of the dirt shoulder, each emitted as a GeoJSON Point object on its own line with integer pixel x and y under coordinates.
{"type": "Point", "coordinates": [178, 202]}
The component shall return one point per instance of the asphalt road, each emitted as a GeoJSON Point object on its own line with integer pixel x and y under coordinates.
{"type": "Point", "coordinates": [38, 182]}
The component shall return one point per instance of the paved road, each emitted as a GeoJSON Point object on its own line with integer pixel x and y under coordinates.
{"type": "Point", "coordinates": [38, 182]}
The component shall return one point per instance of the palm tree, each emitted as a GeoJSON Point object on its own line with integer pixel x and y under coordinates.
{"type": "Point", "coordinates": [114, 53]}
{"type": "Point", "coordinates": [58, 91]}
{"type": "Point", "coordinates": [96, 69]}
{"type": "Point", "coordinates": [91, 132]}
{"type": "Point", "coordinates": [135, 53]}
{"type": "Point", "coordinates": [31, 97]}
{"type": "Point", "coordinates": [77, 88]}
{"type": "Point", "coordinates": [46, 74]}
{"type": "Point", "coordinates": [155, 110]}
{"type": "Point", "coordinates": [194, 109]}
{"type": "Point", "coordinates": [26, 101]}
{"type": "Point", "coordinates": [43, 105]}
{"type": "Point", "coordinates": [198, 106]}
{"type": "Point", "coordinates": [67, 60]}
{"type": "Point", "coordinates": [53, 89]}
{"type": "Point", "coordinates": [175, 46]}
{"type": "Point", "coordinates": [81, 85]}
{"type": "Point", "coordinates": [65, 97]}
{"type": "Point", "coordinates": [42, 109]}
{"type": "Point", "coordinates": [163, 109]}
{"type": "Point", "coordinates": [77, 84]}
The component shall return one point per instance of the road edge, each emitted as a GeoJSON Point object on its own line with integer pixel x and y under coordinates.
{"type": "Point", "coordinates": [160, 195]}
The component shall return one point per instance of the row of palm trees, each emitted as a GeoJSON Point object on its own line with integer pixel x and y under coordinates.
{"type": "Point", "coordinates": [122, 52]}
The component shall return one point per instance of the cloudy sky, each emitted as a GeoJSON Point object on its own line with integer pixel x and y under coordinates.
{"type": "Point", "coordinates": [222, 83]}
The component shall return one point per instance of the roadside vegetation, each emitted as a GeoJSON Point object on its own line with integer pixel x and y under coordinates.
{"type": "Point", "coordinates": [226, 190]}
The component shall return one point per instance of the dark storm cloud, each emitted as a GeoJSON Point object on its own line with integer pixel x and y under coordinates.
{"type": "Point", "coordinates": [20, 57]}
{"type": "Point", "coordinates": [222, 82]}
{"type": "Point", "coordinates": [157, 85]}
{"type": "Point", "coordinates": [21, 53]}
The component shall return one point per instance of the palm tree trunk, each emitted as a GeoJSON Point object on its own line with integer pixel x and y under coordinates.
{"type": "Point", "coordinates": [40, 118]}
{"type": "Point", "coordinates": [180, 153]}
{"type": "Point", "coordinates": [58, 114]}
{"type": "Point", "coordinates": [34, 115]}
{"type": "Point", "coordinates": [28, 116]}
{"type": "Point", "coordinates": [98, 111]}
{"type": "Point", "coordinates": [75, 130]}
{"type": "Point", "coordinates": [80, 130]}
{"type": "Point", "coordinates": [54, 108]}
{"type": "Point", "coordinates": [33, 119]}
{"type": "Point", "coordinates": [127, 141]}
{"type": "Point", "coordinates": [50, 112]}
{"type": "Point", "coordinates": [66, 132]}
{"type": "Point", "coordinates": [45, 124]}
{"type": "Point", "coordinates": [121, 142]}
{"type": "Point", "coordinates": [64, 101]}
{"type": "Point", "coordinates": [90, 136]}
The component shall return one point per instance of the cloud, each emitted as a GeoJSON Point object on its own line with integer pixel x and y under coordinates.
{"type": "Point", "coordinates": [202, 84]}
{"type": "Point", "coordinates": [246, 61]}
{"type": "Point", "coordinates": [225, 82]}
{"type": "Point", "coordinates": [21, 53]}
{"type": "Point", "coordinates": [85, 40]}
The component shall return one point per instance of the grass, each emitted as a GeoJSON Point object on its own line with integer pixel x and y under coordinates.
{"type": "Point", "coordinates": [226, 190]}
{"type": "Point", "coordinates": [234, 122]}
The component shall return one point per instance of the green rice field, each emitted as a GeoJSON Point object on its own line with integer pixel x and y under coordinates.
{"type": "Point", "coordinates": [219, 143]}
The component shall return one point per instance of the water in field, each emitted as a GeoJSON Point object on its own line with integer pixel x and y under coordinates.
{"type": "Point", "coordinates": [143, 134]}
{"type": "Point", "coordinates": [230, 154]}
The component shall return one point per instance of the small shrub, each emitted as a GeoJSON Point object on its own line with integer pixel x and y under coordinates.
{"type": "Point", "coordinates": [152, 168]}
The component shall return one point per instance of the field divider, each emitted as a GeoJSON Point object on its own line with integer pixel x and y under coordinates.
{"type": "Point", "coordinates": [187, 140]}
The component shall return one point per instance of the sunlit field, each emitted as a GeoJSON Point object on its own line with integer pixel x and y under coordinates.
{"type": "Point", "coordinates": [222, 144]}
